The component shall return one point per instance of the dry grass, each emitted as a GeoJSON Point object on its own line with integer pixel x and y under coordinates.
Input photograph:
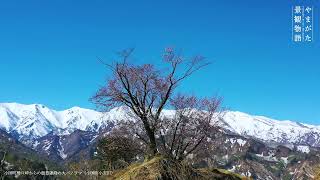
{"type": "Point", "coordinates": [160, 168]}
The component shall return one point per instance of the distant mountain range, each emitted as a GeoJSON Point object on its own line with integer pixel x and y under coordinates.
{"type": "Point", "coordinates": [62, 135]}
{"type": "Point", "coordinates": [31, 122]}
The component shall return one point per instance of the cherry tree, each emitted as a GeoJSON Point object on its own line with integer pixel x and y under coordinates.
{"type": "Point", "coordinates": [146, 90]}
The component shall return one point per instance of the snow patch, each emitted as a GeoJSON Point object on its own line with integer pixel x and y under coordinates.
{"type": "Point", "coordinates": [270, 157]}
{"type": "Point", "coordinates": [36, 143]}
{"type": "Point", "coordinates": [241, 142]}
{"type": "Point", "coordinates": [285, 160]}
{"type": "Point", "coordinates": [61, 151]}
{"type": "Point", "coordinates": [304, 149]}
{"type": "Point", "coordinates": [46, 146]}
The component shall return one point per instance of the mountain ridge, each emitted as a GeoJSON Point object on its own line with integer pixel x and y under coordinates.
{"type": "Point", "coordinates": [255, 146]}
{"type": "Point", "coordinates": [36, 120]}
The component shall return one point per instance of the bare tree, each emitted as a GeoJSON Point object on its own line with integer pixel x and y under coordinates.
{"type": "Point", "coordinates": [117, 150]}
{"type": "Point", "coordinates": [192, 122]}
{"type": "Point", "coordinates": [146, 91]}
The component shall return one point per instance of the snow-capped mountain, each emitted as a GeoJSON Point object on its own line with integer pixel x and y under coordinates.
{"type": "Point", "coordinates": [250, 145]}
{"type": "Point", "coordinates": [36, 121]}
{"type": "Point", "coordinates": [270, 130]}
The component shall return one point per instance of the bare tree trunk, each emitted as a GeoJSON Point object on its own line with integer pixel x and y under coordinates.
{"type": "Point", "coordinates": [153, 145]}
{"type": "Point", "coordinates": [151, 135]}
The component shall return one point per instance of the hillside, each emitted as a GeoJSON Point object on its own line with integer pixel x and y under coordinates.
{"type": "Point", "coordinates": [160, 168]}
{"type": "Point", "coordinates": [17, 157]}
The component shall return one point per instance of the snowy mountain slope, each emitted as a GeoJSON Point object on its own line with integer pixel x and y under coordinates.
{"type": "Point", "coordinates": [271, 130]}
{"type": "Point", "coordinates": [36, 120]}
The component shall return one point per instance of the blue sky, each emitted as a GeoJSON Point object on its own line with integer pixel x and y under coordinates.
{"type": "Point", "coordinates": [48, 51]}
